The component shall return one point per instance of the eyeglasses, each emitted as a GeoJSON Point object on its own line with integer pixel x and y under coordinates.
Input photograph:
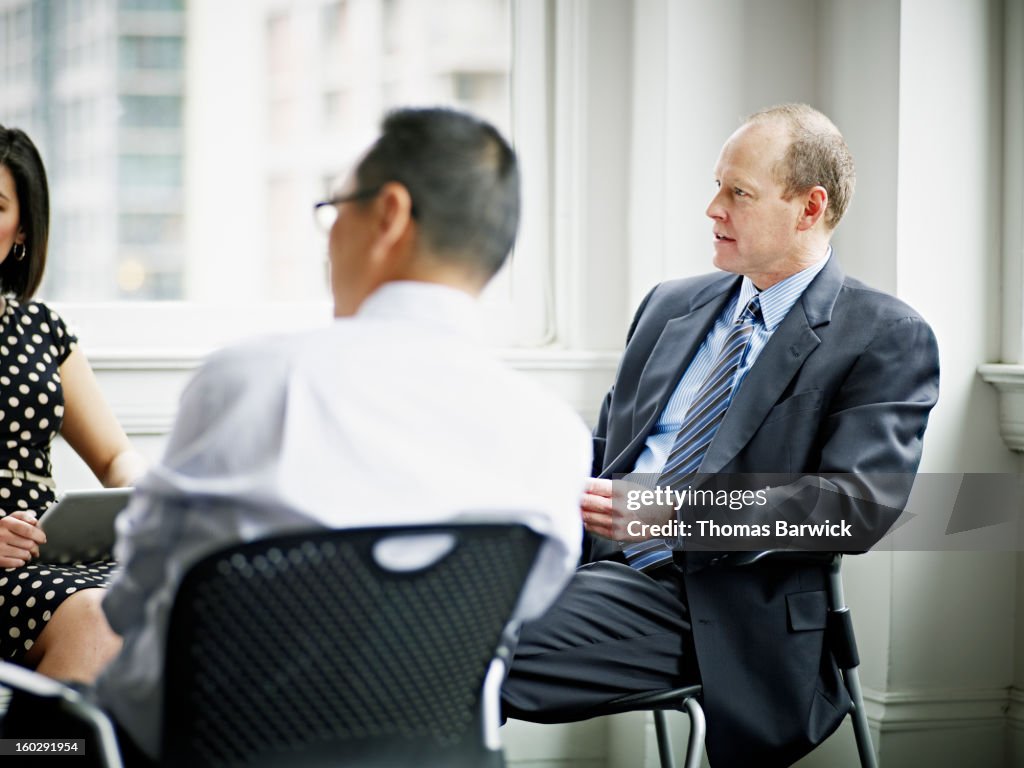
{"type": "Point", "coordinates": [326, 211]}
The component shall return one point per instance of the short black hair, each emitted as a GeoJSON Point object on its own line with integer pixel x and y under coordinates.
{"type": "Point", "coordinates": [21, 278]}
{"type": "Point", "coordinates": [463, 179]}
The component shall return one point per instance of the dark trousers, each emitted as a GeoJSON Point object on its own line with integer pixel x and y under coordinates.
{"type": "Point", "coordinates": [614, 631]}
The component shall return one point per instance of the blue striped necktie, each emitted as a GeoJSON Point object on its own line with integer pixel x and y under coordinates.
{"type": "Point", "coordinates": [698, 429]}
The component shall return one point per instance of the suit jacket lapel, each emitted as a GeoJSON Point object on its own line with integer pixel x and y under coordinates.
{"type": "Point", "coordinates": [776, 366]}
{"type": "Point", "coordinates": [778, 362]}
{"type": "Point", "coordinates": [675, 348]}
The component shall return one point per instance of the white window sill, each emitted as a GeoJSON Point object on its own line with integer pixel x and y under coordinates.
{"type": "Point", "coordinates": [1008, 379]}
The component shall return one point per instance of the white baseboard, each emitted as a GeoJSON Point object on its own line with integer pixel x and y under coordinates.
{"type": "Point", "coordinates": [921, 710]}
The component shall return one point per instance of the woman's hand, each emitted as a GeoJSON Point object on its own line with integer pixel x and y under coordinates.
{"type": "Point", "coordinates": [20, 537]}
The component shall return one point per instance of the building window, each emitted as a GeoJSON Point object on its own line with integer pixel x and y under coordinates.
{"type": "Point", "coordinates": [186, 142]}
{"type": "Point", "coordinates": [152, 52]}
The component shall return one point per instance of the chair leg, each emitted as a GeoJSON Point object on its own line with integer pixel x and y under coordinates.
{"type": "Point", "coordinates": [695, 747]}
{"type": "Point", "coordinates": [861, 731]}
{"type": "Point", "coordinates": [837, 604]}
{"type": "Point", "coordinates": [664, 739]}
{"type": "Point", "coordinates": [106, 737]}
{"type": "Point", "coordinates": [695, 744]}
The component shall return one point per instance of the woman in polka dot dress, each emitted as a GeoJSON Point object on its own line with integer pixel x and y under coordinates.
{"type": "Point", "coordinates": [50, 616]}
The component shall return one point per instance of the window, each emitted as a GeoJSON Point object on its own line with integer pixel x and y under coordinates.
{"type": "Point", "coordinates": [120, 121]}
{"type": "Point", "coordinates": [179, 173]}
{"type": "Point", "coordinates": [144, 111]}
{"type": "Point", "coordinates": [151, 52]}
{"type": "Point", "coordinates": [152, 5]}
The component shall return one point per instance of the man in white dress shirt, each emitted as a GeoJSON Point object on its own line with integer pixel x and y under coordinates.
{"type": "Point", "coordinates": [396, 413]}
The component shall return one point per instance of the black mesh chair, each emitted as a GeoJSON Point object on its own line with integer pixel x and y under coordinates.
{"type": "Point", "coordinates": [323, 649]}
{"type": "Point", "coordinates": [841, 640]}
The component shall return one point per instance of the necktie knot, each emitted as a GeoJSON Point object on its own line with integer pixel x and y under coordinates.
{"type": "Point", "coordinates": [752, 312]}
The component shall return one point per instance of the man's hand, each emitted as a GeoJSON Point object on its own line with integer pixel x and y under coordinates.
{"type": "Point", "coordinates": [596, 508]}
{"type": "Point", "coordinates": [20, 537]}
{"type": "Point", "coordinates": [605, 511]}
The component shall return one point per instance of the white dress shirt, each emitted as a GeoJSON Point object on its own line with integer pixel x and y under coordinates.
{"type": "Point", "coordinates": [397, 415]}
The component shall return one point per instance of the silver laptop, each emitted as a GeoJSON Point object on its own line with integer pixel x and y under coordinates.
{"type": "Point", "coordinates": [80, 526]}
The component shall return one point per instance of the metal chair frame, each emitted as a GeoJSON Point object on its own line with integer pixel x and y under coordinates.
{"type": "Point", "coordinates": [840, 638]}
{"type": "Point", "coordinates": [660, 703]}
{"type": "Point", "coordinates": [844, 646]}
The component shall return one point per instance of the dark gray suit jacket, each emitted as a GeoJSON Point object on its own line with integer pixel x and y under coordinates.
{"type": "Point", "coordinates": [844, 385]}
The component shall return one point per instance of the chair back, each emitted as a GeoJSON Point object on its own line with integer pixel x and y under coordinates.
{"type": "Point", "coordinates": [304, 650]}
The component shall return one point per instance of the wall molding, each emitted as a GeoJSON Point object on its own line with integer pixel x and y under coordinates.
{"type": "Point", "coordinates": [943, 709]}
{"type": "Point", "coordinates": [1008, 379]}
{"type": "Point", "coordinates": [135, 360]}
{"type": "Point", "coordinates": [146, 421]}
{"type": "Point", "coordinates": [524, 359]}
{"type": "Point", "coordinates": [143, 386]}
{"type": "Point", "coordinates": [1015, 709]}
{"type": "Point", "coordinates": [560, 359]}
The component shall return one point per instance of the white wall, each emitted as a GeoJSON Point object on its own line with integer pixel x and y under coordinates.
{"type": "Point", "coordinates": [953, 627]}
{"type": "Point", "coordinates": [699, 68]}
{"type": "Point", "coordinates": [591, 177]}
{"type": "Point", "coordinates": [858, 87]}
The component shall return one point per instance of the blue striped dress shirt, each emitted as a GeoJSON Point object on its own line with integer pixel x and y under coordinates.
{"type": "Point", "coordinates": [775, 304]}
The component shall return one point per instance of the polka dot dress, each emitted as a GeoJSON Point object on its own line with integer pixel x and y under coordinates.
{"type": "Point", "coordinates": [33, 343]}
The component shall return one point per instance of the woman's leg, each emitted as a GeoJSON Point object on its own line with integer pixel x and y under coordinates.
{"type": "Point", "coordinates": [77, 643]}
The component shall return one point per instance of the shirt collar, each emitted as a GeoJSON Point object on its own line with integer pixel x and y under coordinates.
{"type": "Point", "coordinates": [439, 306]}
{"type": "Point", "coordinates": [780, 298]}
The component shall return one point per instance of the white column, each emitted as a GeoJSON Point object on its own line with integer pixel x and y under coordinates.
{"type": "Point", "coordinates": [591, 198]}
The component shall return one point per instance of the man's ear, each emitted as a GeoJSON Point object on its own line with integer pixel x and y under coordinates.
{"type": "Point", "coordinates": [815, 204]}
{"type": "Point", "coordinates": [393, 213]}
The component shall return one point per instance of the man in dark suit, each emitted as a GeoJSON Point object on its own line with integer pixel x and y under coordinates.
{"type": "Point", "coordinates": [781, 365]}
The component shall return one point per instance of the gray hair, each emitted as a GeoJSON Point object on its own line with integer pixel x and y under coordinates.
{"type": "Point", "coordinates": [817, 156]}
